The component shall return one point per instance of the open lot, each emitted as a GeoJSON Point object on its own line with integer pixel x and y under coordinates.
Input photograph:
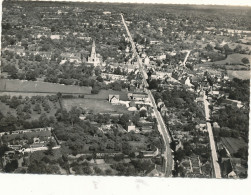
{"type": "Point", "coordinates": [40, 87]}
{"type": "Point", "coordinates": [97, 106]}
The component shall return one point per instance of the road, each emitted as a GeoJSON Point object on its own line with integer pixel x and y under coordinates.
{"type": "Point", "coordinates": [185, 60]}
{"type": "Point", "coordinates": [216, 166]}
{"type": "Point", "coordinates": [161, 124]}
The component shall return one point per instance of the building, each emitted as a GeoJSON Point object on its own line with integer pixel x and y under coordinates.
{"type": "Point", "coordinates": [114, 99]}
{"type": "Point", "coordinates": [20, 50]}
{"type": "Point", "coordinates": [107, 13]}
{"type": "Point", "coordinates": [138, 96]}
{"type": "Point", "coordinates": [94, 59]}
{"type": "Point", "coordinates": [130, 126]}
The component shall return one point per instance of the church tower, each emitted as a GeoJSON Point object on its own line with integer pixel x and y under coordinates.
{"type": "Point", "coordinates": [93, 58]}
{"type": "Point", "coordinates": [93, 53]}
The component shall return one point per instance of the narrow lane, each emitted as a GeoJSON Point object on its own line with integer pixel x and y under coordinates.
{"type": "Point", "coordinates": [185, 60]}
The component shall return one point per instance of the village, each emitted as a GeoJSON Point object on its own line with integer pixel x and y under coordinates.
{"type": "Point", "coordinates": [83, 74]}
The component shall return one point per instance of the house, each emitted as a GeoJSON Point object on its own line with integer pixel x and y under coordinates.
{"type": "Point", "coordinates": [138, 96]}
{"type": "Point", "coordinates": [163, 110]}
{"type": "Point", "coordinates": [87, 39]}
{"type": "Point", "coordinates": [71, 57]}
{"type": "Point", "coordinates": [188, 82]}
{"type": "Point", "coordinates": [160, 104]}
{"type": "Point", "coordinates": [154, 42]}
{"type": "Point", "coordinates": [149, 154]}
{"type": "Point", "coordinates": [114, 99]}
{"type": "Point", "coordinates": [161, 57]}
{"type": "Point", "coordinates": [130, 126]}
{"type": "Point", "coordinates": [143, 108]}
{"type": "Point", "coordinates": [107, 13]}
{"type": "Point", "coordinates": [235, 103]}
{"type": "Point", "coordinates": [43, 54]}
{"type": "Point", "coordinates": [15, 147]}
{"type": "Point", "coordinates": [20, 50]}
{"type": "Point", "coordinates": [156, 172]}
{"type": "Point", "coordinates": [55, 37]}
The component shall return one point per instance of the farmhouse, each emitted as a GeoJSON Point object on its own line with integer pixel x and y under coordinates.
{"type": "Point", "coordinates": [114, 99]}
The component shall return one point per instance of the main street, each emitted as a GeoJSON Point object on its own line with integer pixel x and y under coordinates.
{"type": "Point", "coordinates": [216, 166]}
{"type": "Point", "coordinates": [161, 124]}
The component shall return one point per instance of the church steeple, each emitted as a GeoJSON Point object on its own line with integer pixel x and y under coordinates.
{"type": "Point", "coordinates": [93, 53]}
{"type": "Point", "coordinates": [94, 59]}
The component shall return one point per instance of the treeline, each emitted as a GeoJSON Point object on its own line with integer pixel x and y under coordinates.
{"type": "Point", "coordinates": [236, 120]}
{"type": "Point", "coordinates": [238, 89]}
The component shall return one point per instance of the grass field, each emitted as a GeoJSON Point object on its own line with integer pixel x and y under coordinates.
{"type": "Point", "coordinates": [240, 74]}
{"type": "Point", "coordinates": [231, 59]}
{"type": "Point", "coordinates": [24, 94]}
{"type": "Point", "coordinates": [97, 106]}
{"type": "Point", "coordinates": [233, 144]}
{"type": "Point", "coordinates": [40, 87]}
{"type": "Point", "coordinates": [233, 45]}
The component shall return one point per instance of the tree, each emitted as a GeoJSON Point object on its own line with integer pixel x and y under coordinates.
{"type": "Point", "coordinates": [50, 146]}
{"type": "Point", "coordinates": [124, 119]}
{"type": "Point", "coordinates": [74, 115]}
{"type": "Point", "coordinates": [38, 58]}
{"type": "Point", "coordinates": [11, 166]}
{"type": "Point", "coordinates": [153, 84]}
{"type": "Point", "coordinates": [3, 149]}
{"type": "Point", "coordinates": [245, 60]}
{"type": "Point", "coordinates": [143, 113]}
{"type": "Point", "coordinates": [95, 89]}
{"type": "Point", "coordinates": [99, 79]}
{"type": "Point", "coordinates": [209, 47]}
{"type": "Point", "coordinates": [117, 86]}
{"type": "Point", "coordinates": [31, 75]}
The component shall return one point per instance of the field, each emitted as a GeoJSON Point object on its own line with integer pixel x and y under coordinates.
{"type": "Point", "coordinates": [231, 59]}
{"type": "Point", "coordinates": [240, 74]}
{"type": "Point", "coordinates": [40, 87]}
{"type": "Point", "coordinates": [233, 144]}
{"type": "Point", "coordinates": [24, 94]}
{"type": "Point", "coordinates": [103, 95]}
{"type": "Point", "coordinates": [233, 45]}
{"type": "Point", "coordinates": [97, 106]}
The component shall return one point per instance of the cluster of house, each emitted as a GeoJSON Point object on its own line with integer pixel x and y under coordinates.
{"type": "Point", "coordinates": [193, 167]}
{"type": "Point", "coordinates": [23, 142]}
{"type": "Point", "coordinates": [231, 167]}
{"type": "Point", "coordinates": [136, 102]}
{"type": "Point", "coordinates": [225, 32]}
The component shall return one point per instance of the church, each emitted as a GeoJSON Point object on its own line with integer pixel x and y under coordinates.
{"type": "Point", "coordinates": [94, 59]}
